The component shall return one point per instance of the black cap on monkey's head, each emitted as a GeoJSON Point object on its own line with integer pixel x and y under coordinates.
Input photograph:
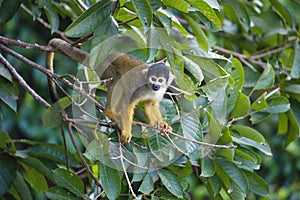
{"type": "Point", "coordinates": [159, 70]}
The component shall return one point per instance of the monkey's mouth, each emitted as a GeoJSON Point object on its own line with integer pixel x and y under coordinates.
{"type": "Point", "coordinates": [155, 87]}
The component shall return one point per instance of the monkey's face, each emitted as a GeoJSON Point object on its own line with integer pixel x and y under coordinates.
{"type": "Point", "coordinates": [158, 75]}
{"type": "Point", "coordinates": [157, 82]}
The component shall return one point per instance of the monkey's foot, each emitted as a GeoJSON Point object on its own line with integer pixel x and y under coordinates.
{"type": "Point", "coordinates": [165, 128]}
{"type": "Point", "coordinates": [125, 137]}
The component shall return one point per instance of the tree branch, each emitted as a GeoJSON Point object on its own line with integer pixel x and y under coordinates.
{"type": "Point", "coordinates": [23, 83]}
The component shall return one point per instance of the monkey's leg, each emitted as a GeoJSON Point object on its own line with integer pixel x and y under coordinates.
{"type": "Point", "coordinates": [154, 115]}
{"type": "Point", "coordinates": [126, 121]}
{"type": "Point", "coordinates": [152, 112]}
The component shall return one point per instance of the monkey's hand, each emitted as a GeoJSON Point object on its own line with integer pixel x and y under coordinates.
{"type": "Point", "coordinates": [125, 136]}
{"type": "Point", "coordinates": [164, 127]}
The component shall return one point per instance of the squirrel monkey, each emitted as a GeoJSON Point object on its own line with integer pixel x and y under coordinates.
{"type": "Point", "coordinates": [132, 81]}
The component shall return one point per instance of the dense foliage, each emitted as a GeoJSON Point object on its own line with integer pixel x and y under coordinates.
{"type": "Point", "coordinates": [235, 113]}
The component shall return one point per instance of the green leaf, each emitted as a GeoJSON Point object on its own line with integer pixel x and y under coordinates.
{"type": "Point", "coordinates": [52, 116]}
{"type": "Point", "coordinates": [257, 184]}
{"type": "Point", "coordinates": [237, 75]}
{"type": "Point", "coordinates": [242, 106]}
{"type": "Point", "coordinates": [69, 180]}
{"type": "Point", "coordinates": [58, 193]}
{"type": "Point", "coordinates": [171, 182]}
{"type": "Point", "coordinates": [266, 80]}
{"type": "Point", "coordinates": [52, 18]}
{"type": "Point", "coordinates": [263, 147]}
{"type": "Point", "coordinates": [35, 179]}
{"type": "Point", "coordinates": [283, 11]}
{"type": "Point", "coordinates": [293, 131]}
{"type": "Point", "coordinates": [52, 152]}
{"type": "Point", "coordinates": [248, 132]}
{"type": "Point", "coordinates": [283, 123]}
{"type": "Point", "coordinates": [8, 9]}
{"type": "Point", "coordinates": [198, 32]}
{"type": "Point", "coordinates": [6, 142]}
{"type": "Point", "coordinates": [260, 103]}
{"type": "Point", "coordinates": [277, 104]}
{"type": "Point", "coordinates": [104, 40]}
{"type": "Point", "coordinates": [22, 188]}
{"type": "Point", "coordinates": [180, 5]}
{"type": "Point", "coordinates": [295, 73]}
{"type": "Point", "coordinates": [8, 94]}
{"type": "Point", "coordinates": [207, 11]}
{"type": "Point", "coordinates": [91, 19]}
{"type": "Point", "coordinates": [4, 72]}
{"type": "Point", "coordinates": [194, 69]}
{"type": "Point", "coordinates": [160, 148]}
{"type": "Point", "coordinates": [241, 14]}
{"type": "Point", "coordinates": [110, 180]}
{"type": "Point", "coordinates": [8, 172]}
{"type": "Point", "coordinates": [38, 166]}
{"type": "Point", "coordinates": [191, 129]}
{"type": "Point", "coordinates": [235, 174]}
{"type": "Point", "coordinates": [207, 167]}
{"type": "Point", "coordinates": [214, 130]}
{"type": "Point", "coordinates": [147, 185]}
{"type": "Point", "coordinates": [258, 117]}
{"type": "Point", "coordinates": [144, 12]}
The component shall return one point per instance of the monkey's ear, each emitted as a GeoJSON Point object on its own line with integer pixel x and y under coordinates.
{"type": "Point", "coordinates": [145, 71]}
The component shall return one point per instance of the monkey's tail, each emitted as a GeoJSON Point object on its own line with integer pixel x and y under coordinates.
{"type": "Point", "coordinates": [51, 84]}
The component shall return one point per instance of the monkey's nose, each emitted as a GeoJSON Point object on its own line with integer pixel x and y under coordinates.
{"type": "Point", "coordinates": [155, 87]}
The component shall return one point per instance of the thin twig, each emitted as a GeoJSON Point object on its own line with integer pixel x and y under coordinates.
{"type": "Point", "coordinates": [69, 125]}
{"type": "Point", "coordinates": [19, 43]}
{"type": "Point", "coordinates": [124, 169]}
{"type": "Point", "coordinates": [23, 83]}
{"type": "Point", "coordinates": [52, 75]}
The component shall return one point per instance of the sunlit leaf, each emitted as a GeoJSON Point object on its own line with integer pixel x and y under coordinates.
{"type": "Point", "coordinates": [199, 33]}
{"type": "Point", "coordinates": [242, 106]}
{"type": "Point", "coordinates": [180, 5]}
{"type": "Point", "coordinates": [277, 104]}
{"type": "Point", "coordinates": [283, 123]}
{"type": "Point", "coordinates": [263, 147]}
{"type": "Point", "coordinates": [283, 11]}
{"type": "Point", "coordinates": [266, 80]}
{"type": "Point", "coordinates": [144, 12]}
{"type": "Point", "coordinates": [248, 132]}
{"type": "Point", "coordinates": [206, 9]}
{"type": "Point", "coordinates": [260, 103]}
{"type": "Point", "coordinates": [295, 73]}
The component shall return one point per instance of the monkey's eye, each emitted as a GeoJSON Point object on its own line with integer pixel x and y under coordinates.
{"type": "Point", "coordinates": [153, 79]}
{"type": "Point", "coordinates": [160, 80]}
